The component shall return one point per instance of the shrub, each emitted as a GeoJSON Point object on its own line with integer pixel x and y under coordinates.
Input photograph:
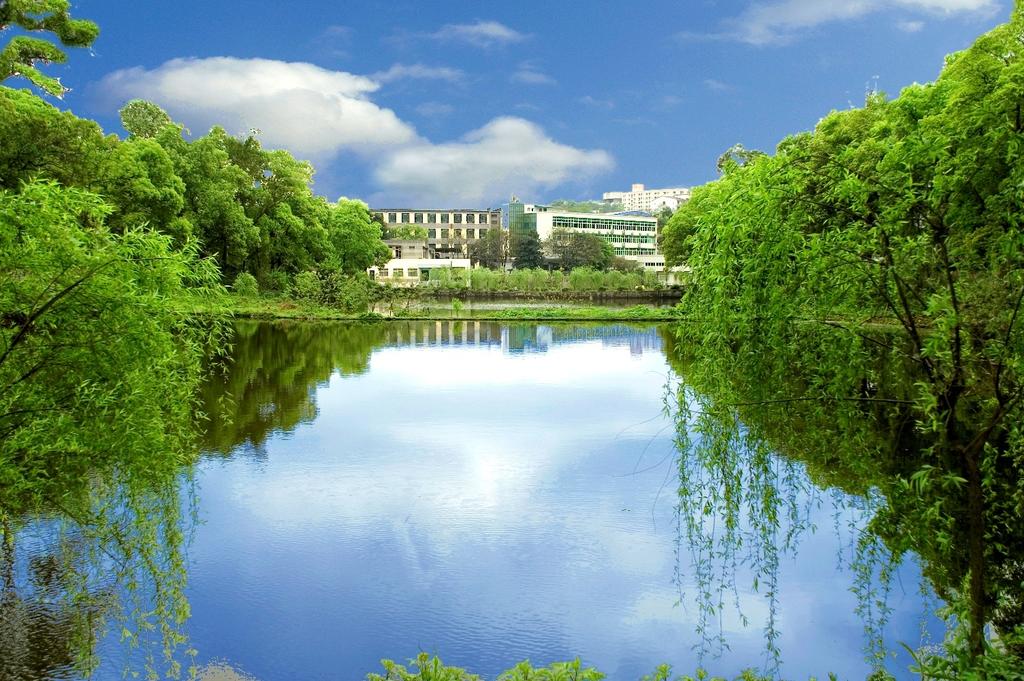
{"type": "Point", "coordinates": [276, 281]}
{"type": "Point", "coordinates": [307, 286]}
{"type": "Point", "coordinates": [245, 285]}
{"type": "Point", "coordinates": [349, 294]}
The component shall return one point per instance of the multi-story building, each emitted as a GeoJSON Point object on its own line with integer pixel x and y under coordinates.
{"type": "Point", "coordinates": [650, 200]}
{"type": "Point", "coordinates": [410, 270]}
{"type": "Point", "coordinates": [448, 231]}
{"type": "Point", "coordinates": [632, 236]}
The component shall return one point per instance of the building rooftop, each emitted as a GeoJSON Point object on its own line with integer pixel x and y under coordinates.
{"type": "Point", "coordinates": [435, 210]}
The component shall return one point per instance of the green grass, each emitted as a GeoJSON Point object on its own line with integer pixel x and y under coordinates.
{"type": "Point", "coordinates": [262, 307]}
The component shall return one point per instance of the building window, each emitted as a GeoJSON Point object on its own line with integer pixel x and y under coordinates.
{"type": "Point", "coordinates": [392, 217]}
{"type": "Point", "coordinates": [444, 233]}
{"type": "Point", "coordinates": [413, 272]}
{"type": "Point", "coordinates": [471, 218]}
{"type": "Point", "coordinates": [405, 218]}
{"type": "Point", "coordinates": [469, 233]}
{"type": "Point", "coordinates": [458, 218]}
{"type": "Point", "coordinates": [417, 218]}
{"type": "Point", "coordinates": [431, 218]}
{"type": "Point", "coordinates": [483, 219]}
{"type": "Point", "coordinates": [444, 218]}
{"type": "Point", "coordinates": [397, 273]}
{"type": "Point", "coordinates": [431, 233]}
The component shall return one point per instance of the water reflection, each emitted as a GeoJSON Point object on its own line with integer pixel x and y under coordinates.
{"type": "Point", "coordinates": [270, 384]}
{"type": "Point", "coordinates": [493, 492]}
{"type": "Point", "coordinates": [854, 428]}
{"type": "Point", "coordinates": [41, 631]}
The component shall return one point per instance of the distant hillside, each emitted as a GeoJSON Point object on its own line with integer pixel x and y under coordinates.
{"type": "Point", "coordinates": [587, 206]}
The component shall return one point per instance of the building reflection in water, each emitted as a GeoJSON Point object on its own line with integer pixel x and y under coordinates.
{"type": "Point", "coordinates": [520, 338]}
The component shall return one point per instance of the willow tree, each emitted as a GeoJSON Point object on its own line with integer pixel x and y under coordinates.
{"type": "Point", "coordinates": [907, 212]}
{"type": "Point", "coordinates": [99, 376]}
{"type": "Point", "coordinates": [23, 54]}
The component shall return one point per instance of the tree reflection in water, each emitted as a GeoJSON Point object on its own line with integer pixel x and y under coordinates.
{"type": "Point", "coordinates": [761, 433]}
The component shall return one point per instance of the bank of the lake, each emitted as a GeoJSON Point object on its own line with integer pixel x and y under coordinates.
{"type": "Point", "coordinates": [497, 309]}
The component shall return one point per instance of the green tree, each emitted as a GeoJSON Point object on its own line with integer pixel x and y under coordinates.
{"type": "Point", "coordinates": [491, 250]}
{"type": "Point", "coordinates": [663, 215]}
{"type": "Point", "coordinates": [144, 119]}
{"type": "Point", "coordinates": [526, 251]}
{"type": "Point", "coordinates": [213, 187]}
{"type": "Point", "coordinates": [291, 220]}
{"type": "Point", "coordinates": [405, 232]}
{"type": "Point", "coordinates": [355, 239]}
{"type": "Point", "coordinates": [138, 179]}
{"type": "Point", "coordinates": [37, 139]}
{"type": "Point", "coordinates": [21, 55]}
{"type": "Point", "coordinates": [905, 210]}
{"type": "Point", "coordinates": [88, 318]}
{"type": "Point", "coordinates": [100, 370]}
{"type": "Point", "coordinates": [621, 264]}
{"type": "Point", "coordinates": [570, 250]}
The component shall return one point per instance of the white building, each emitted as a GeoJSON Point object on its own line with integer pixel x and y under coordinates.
{"type": "Point", "coordinates": [634, 237]}
{"type": "Point", "coordinates": [413, 270]}
{"type": "Point", "coordinates": [650, 200]}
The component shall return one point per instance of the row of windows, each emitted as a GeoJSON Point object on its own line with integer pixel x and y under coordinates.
{"type": "Point", "coordinates": [603, 224]}
{"type": "Point", "coordinates": [411, 272]}
{"type": "Point", "coordinates": [438, 218]}
{"type": "Point", "coordinates": [629, 238]}
{"type": "Point", "coordinates": [634, 251]}
{"type": "Point", "coordinates": [456, 233]}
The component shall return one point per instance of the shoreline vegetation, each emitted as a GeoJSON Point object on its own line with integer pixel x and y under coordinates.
{"type": "Point", "coordinates": [426, 667]}
{"type": "Point", "coordinates": [452, 309]}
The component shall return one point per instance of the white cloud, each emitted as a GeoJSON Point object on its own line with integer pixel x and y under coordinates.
{"type": "Point", "coordinates": [479, 33]}
{"type": "Point", "coordinates": [334, 41]}
{"type": "Point", "coordinates": [773, 23]}
{"type": "Point", "coordinates": [317, 113]}
{"type": "Point", "coordinates": [418, 72]}
{"type": "Point", "coordinates": [506, 155]}
{"type": "Point", "coordinates": [530, 77]}
{"type": "Point", "coordinates": [434, 109]}
{"type": "Point", "coordinates": [910, 26]}
{"type": "Point", "coordinates": [309, 110]}
{"type": "Point", "coordinates": [531, 74]}
{"type": "Point", "coordinates": [716, 85]}
{"type": "Point", "coordinates": [597, 103]}
{"type": "Point", "coordinates": [337, 31]}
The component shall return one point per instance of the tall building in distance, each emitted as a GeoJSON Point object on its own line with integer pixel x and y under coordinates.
{"type": "Point", "coordinates": [516, 223]}
{"type": "Point", "coordinates": [649, 200]}
{"type": "Point", "coordinates": [634, 237]}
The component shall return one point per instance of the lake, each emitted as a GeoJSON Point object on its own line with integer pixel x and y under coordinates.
{"type": "Point", "coordinates": [491, 493]}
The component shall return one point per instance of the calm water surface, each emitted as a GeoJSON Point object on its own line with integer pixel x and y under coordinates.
{"type": "Point", "coordinates": [488, 493]}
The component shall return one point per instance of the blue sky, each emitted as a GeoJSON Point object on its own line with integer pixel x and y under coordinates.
{"type": "Point", "coordinates": [460, 103]}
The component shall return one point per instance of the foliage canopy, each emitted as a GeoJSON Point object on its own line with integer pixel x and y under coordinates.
{"type": "Point", "coordinates": [22, 53]}
{"type": "Point", "coordinates": [906, 211]}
